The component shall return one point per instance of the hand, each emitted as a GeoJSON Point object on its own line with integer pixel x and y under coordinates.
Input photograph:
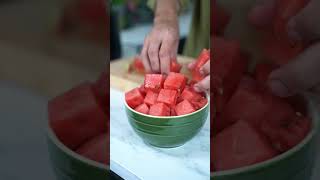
{"type": "Point", "coordinates": [301, 74]}
{"type": "Point", "coordinates": [204, 84]}
{"type": "Point", "coordinates": [161, 44]}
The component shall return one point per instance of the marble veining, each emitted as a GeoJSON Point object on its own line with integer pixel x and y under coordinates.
{"type": "Point", "coordinates": [190, 161]}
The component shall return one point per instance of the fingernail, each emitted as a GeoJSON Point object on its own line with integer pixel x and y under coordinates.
{"type": "Point", "coordinates": [278, 88]}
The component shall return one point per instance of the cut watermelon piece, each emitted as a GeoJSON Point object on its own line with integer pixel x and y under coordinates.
{"type": "Point", "coordinates": [134, 98]}
{"type": "Point", "coordinates": [143, 108]}
{"type": "Point", "coordinates": [159, 109]}
{"type": "Point", "coordinates": [175, 81]}
{"type": "Point", "coordinates": [168, 97]}
{"type": "Point", "coordinates": [142, 90]}
{"type": "Point", "coordinates": [200, 103]}
{"type": "Point", "coordinates": [173, 112]}
{"type": "Point", "coordinates": [240, 145]}
{"type": "Point", "coordinates": [175, 66]}
{"type": "Point", "coordinates": [76, 116]}
{"type": "Point", "coordinates": [137, 65]}
{"type": "Point", "coordinates": [154, 82]}
{"type": "Point", "coordinates": [184, 107]}
{"type": "Point", "coordinates": [201, 60]}
{"type": "Point", "coordinates": [190, 95]}
{"type": "Point", "coordinates": [151, 98]}
{"type": "Point", "coordinates": [96, 149]}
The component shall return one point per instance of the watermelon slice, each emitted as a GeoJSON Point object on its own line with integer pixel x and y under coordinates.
{"type": "Point", "coordinates": [154, 82]}
{"type": "Point", "coordinates": [201, 60]}
{"type": "Point", "coordinates": [175, 81]}
{"type": "Point", "coordinates": [159, 109]}
{"type": "Point", "coordinates": [96, 149]}
{"type": "Point", "coordinates": [168, 97]}
{"type": "Point", "coordinates": [76, 116]}
{"type": "Point", "coordinates": [134, 98]}
{"type": "Point", "coordinates": [143, 108]}
{"type": "Point", "coordinates": [184, 107]}
{"type": "Point", "coordinates": [240, 145]}
{"type": "Point", "coordinates": [151, 98]}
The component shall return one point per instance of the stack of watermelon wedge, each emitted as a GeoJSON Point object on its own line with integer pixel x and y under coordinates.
{"type": "Point", "coordinates": [78, 118]}
{"type": "Point", "coordinates": [252, 125]}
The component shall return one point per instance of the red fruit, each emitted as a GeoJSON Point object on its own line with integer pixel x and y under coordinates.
{"type": "Point", "coordinates": [154, 82]}
{"type": "Point", "coordinates": [173, 112]}
{"type": "Point", "coordinates": [138, 65]}
{"type": "Point", "coordinates": [175, 81]}
{"type": "Point", "coordinates": [262, 72]}
{"type": "Point", "coordinates": [76, 116]}
{"type": "Point", "coordinates": [184, 107]}
{"type": "Point", "coordinates": [202, 59]}
{"type": "Point", "coordinates": [190, 95]}
{"type": "Point", "coordinates": [240, 145]}
{"type": "Point", "coordinates": [151, 98]}
{"type": "Point", "coordinates": [143, 108]}
{"type": "Point", "coordinates": [142, 90]}
{"type": "Point", "coordinates": [100, 88]}
{"type": "Point", "coordinates": [200, 103]}
{"type": "Point", "coordinates": [175, 66]}
{"type": "Point", "coordinates": [159, 109]}
{"type": "Point", "coordinates": [168, 97]}
{"type": "Point", "coordinates": [134, 98]}
{"type": "Point", "coordinates": [96, 149]}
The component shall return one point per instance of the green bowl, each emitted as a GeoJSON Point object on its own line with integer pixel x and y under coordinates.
{"type": "Point", "coordinates": [167, 131]}
{"type": "Point", "coordinates": [295, 164]}
{"type": "Point", "coordinates": [68, 165]}
{"type": "Point", "coordinates": [166, 141]}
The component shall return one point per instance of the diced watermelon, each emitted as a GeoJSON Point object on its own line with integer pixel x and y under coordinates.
{"type": "Point", "coordinates": [175, 66]}
{"type": "Point", "coordinates": [151, 98]}
{"type": "Point", "coordinates": [175, 81]}
{"type": "Point", "coordinates": [137, 65]}
{"type": "Point", "coordinates": [143, 108]}
{"type": "Point", "coordinates": [190, 95]}
{"type": "Point", "coordinates": [76, 116]}
{"type": "Point", "coordinates": [142, 90]}
{"type": "Point", "coordinates": [100, 88]}
{"type": "Point", "coordinates": [168, 97]}
{"type": "Point", "coordinates": [173, 112]}
{"type": "Point", "coordinates": [134, 98]}
{"type": "Point", "coordinates": [184, 107]}
{"type": "Point", "coordinates": [219, 19]}
{"type": "Point", "coordinates": [284, 138]}
{"type": "Point", "coordinates": [201, 60]}
{"type": "Point", "coordinates": [262, 72]}
{"type": "Point", "coordinates": [154, 82]}
{"type": "Point", "coordinates": [240, 145]}
{"type": "Point", "coordinates": [159, 109]}
{"type": "Point", "coordinates": [96, 149]}
{"type": "Point", "coordinates": [200, 103]}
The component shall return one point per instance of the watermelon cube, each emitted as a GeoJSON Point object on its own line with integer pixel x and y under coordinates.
{"type": "Point", "coordinates": [96, 149]}
{"type": "Point", "coordinates": [190, 95]}
{"type": "Point", "coordinates": [199, 103]}
{"type": "Point", "coordinates": [175, 81]}
{"type": "Point", "coordinates": [201, 60]}
{"type": "Point", "coordinates": [76, 116]}
{"type": "Point", "coordinates": [240, 145]}
{"type": "Point", "coordinates": [175, 66]}
{"type": "Point", "coordinates": [143, 108]}
{"type": "Point", "coordinates": [134, 98]}
{"type": "Point", "coordinates": [184, 107]}
{"type": "Point", "coordinates": [159, 109]}
{"type": "Point", "coordinates": [151, 98]}
{"type": "Point", "coordinates": [154, 82]}
{"type": "Point", "coordinates": [142, 90]}
{"type": "Point", "coordinates": [168, 97]}
{"type": "Point", "coordinates": [173, 112]}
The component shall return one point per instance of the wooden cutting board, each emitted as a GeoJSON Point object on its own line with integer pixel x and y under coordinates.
{"type": "Point", "coordinates": [123, 80]}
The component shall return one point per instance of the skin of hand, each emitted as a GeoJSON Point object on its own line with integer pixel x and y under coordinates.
{"type": "Point", "coordinates": [161, 44]}
{"type": "Point", "coordinates": [204, 84]}
{"type": "Point", "coordinates": [302, 74]}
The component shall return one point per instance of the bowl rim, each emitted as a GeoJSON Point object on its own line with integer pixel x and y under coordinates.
{"type": "Point", "coordinates": [52, 136]}
{"type": "Point", "coordinates": [168, 117]}
{"type": "Point", "coordinates": [247, 169]}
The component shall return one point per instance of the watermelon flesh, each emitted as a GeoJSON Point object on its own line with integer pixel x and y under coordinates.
{"type": "Point", "coordinates": [175, 81]}
{"type": "Point", "coordinates": [201, 60]}
{"type": "Point", "coordinates": [159, 109]}
{"type": "Point", "coordinates": [76, 116]}
{"type": "Point", "coordinates": [143, 108]}
{"type": "Point", "coordinates": [184, 107]}
{"type": "Point", "coordinates": [151, 98]}
{"type": "Point", "coordinates": [154, 82]}
{"type": "Point", "coordinates": [134, 98]}
{"type": "Point", "coordinates": [168, 97]}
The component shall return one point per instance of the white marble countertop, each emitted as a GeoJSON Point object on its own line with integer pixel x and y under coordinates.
{"type": "Point", "coordinates": [131, 158]}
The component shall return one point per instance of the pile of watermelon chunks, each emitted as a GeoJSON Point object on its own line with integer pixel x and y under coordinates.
{"type": "Point", "coordinates": [171, 95]}
{"type": "Point", "coordinates": [78, 118]}
{"type": "Point", "coordinates": [252, 125]}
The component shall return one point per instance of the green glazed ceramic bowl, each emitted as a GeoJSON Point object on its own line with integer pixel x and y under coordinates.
{"type": "Point", "coordinates": [295, 164]}
{"type": "Point", "coordinates": [68, 165]}
{"type": "Point", "coordinates": [167, 131]}
{"type": "Point", "coordinates": [166, 141]}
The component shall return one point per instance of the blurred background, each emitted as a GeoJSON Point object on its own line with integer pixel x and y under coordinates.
{"type": "Point", "coordinates": [131, 20]}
